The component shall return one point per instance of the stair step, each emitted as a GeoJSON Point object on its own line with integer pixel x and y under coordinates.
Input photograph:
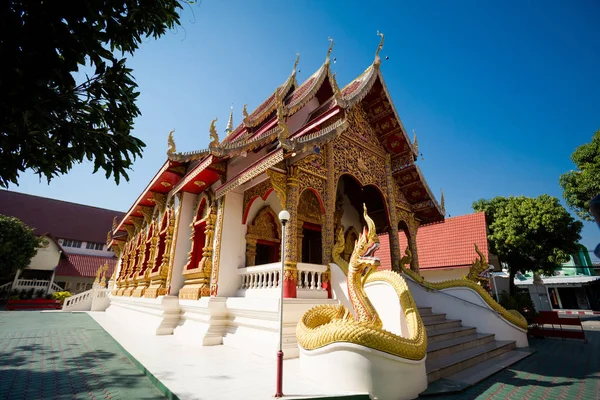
{"type": "Point", "coordinates": [449, 333]}
{"type": "Point", "coordinates": [424, 310]}
{"type": "Point", "coordinates": [437, 325]}
{"type": "Point", "coordinates": [433, 317]}
{"type": "Point", "coordinates": [443, 348]}
{"type": "Point", "coordinates": [468, 377]}
{"type": "Point", "coordinates": [459, 361]}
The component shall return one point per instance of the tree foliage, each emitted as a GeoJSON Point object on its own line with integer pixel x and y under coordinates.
{"type": "Point", "coordinates": [530, 234]}
{"type": "Point", "coordinates": [580, 186]}
{"type": "Point", "coordinates": [52, 114]}
{"type": "Point", "coordinates": [18, 244]}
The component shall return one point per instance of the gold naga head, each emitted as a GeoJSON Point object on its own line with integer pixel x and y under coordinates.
{"type": "Point", "coordinates": [363, 258]}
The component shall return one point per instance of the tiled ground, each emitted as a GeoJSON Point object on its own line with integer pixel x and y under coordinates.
{"type": "Point", "coordinates": [60, 356]}
{"type": "Point", "coordinates": [560, 369]}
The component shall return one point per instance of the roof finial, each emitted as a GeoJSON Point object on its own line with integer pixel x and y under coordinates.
{"type": "Point", "coordinates": [213, 133]}
{"type": "Point", "coordinates": [415, 143]}
{"type": "Point", "coordinates": [244, 111]}
{"type": "Point", "coordinates": [296, 64]}
{"type": "Point", "coordinates": [377, 59]}
{"type": "Point", "coordinates": [229, 127]}
{"type": "Point", "coordinates": [172, 149]}
{"type": "Point", "coordinates": [329, 51]}
{"type": "Point", "coordinates": [442, 201]}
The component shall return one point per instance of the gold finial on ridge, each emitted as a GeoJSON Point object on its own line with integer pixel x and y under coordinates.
{"type": "Point", "coordinates": [415, 143]}
{"type": "Point", "coordinates": [172, 148]}
{"type": "Point", "coordinates": [115, 222]}
{"type": "Point", "coordinates": [214, 136]}
{"type": "Point", "coordinates": [329, 51]}
{"type": "Point", "coordinates": [296, 64]}
{"type": "Point", "coordinates": [442, 201]}
{"type": "Point", "coordinates": [244, 111]}
{"type": "Point", "coordinates": [377, 59]}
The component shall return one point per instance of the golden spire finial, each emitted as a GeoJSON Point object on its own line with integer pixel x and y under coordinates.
{"type": "Point", "coordinates": [415, 143]}
{"type": "Point", "coordinates": [172, 148]}
{"type": "Point", "coordinates": [329, 51]}
{"type": "Point", "coordinates": [115, 222]}
{"type": "Point", "coordinates": [442, 201]}
{"type": "Point", "coordinates": [377, 59]}
{"type": "Point", "coordinates": [244, 111]}
{"type": "Point", "coordinates": [296, 64]}
{"type": "Point", "coordinates": [229, 127]}
{"type": "Point", "coordinates": [214, 136]}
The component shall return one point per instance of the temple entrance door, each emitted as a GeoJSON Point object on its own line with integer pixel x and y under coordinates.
{"type": "Point", "coordinates": [266, 252]}
{"type": "Point", "coordinates": [312, 244]}
{"type": "Point", "coordinates": [350, 197]}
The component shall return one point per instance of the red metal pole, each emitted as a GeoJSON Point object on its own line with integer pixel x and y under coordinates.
{"type": "Point", "coordinates": [279, 389]}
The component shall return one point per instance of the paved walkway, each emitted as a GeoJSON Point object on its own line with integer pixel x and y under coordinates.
{"type": "Point", "coordinates": [60, 356]}
{"type": "Point", "coordinates": [560, 369]}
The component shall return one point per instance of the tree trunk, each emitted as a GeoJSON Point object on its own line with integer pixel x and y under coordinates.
{"type": "Point", "coordinates": [511, 282]}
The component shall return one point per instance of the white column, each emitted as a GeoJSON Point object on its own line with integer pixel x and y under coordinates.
{"type": "Point", "coordinates": [233, 244]}
{"type": "Point", "coordinates": [182, 242]}
{"type": "Point", "coordinates": [15, 280]}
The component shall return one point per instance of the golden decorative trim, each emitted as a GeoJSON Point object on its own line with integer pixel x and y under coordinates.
{"type": "Point", "coordinates": [214, 280]}
{"type": "Point", "coordinates": [147, 213]}
{"type": "Point", "coordinates": [279, 183]}
{"type": "Point", "coordinates": [137, 223]}
{"type": "Point", "coordinates": [199, 183]}
{"type": "Point", "coordinates": [166, 184]}
{"type": "Point", "coordinates": [161, 201]}
{"type": "Point", "coordinates": [214, 136]}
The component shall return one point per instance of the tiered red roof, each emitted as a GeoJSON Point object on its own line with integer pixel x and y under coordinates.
{"type": "Point", "coordinates": [446, 244]}
{"type": "Point", "coordinates": [83, 265]}
{"type": "Point", "coordinates": [267, 126]}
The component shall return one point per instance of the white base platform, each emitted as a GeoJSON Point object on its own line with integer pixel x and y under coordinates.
{"type": "Point", "coordinates": [242, 323]}
{"type": "Point", "coordinates": [193, 371]}
{"type": "Point", "coordinates": [353, 368]}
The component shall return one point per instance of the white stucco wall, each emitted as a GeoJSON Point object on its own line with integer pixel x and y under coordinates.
{"type": "Point", "coordinates": [47, 257]}
{"type": "Point", "coordinates": [467, 305]}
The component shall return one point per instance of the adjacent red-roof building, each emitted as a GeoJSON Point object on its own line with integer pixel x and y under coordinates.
{"type": "Point", "coordinates": [61, 219]}
{"type": "Point", "coordinates": [85, 266]}
{"type": "Point", "coordinates": [448, 244]}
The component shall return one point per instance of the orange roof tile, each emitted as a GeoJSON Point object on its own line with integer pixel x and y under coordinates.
{"type": "Point", "coordinates": [445, 244]}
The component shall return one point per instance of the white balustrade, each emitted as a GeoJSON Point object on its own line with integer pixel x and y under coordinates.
{"type": "Point", "coordinates": [264, 281]}
{"type": "Point", "coordinates": [90, 300]}
{"type": "Point", "coordinates": [310, 281]}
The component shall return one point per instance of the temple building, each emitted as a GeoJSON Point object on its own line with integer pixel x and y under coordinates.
{"type": "Point", "coordinates": [200, 249]}
{"type": "Point", "coordinates": [208, 219]}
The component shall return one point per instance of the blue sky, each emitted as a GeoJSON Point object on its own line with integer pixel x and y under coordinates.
{"type": "Point", "coordinates": [499, 94]}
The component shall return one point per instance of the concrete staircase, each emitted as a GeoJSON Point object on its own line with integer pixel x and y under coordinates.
{"type": "Point", "coordinates": [459, 356]}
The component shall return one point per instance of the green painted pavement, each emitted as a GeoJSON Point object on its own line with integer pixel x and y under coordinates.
{"type": "Point", "coordinates": [560, 369]}
{"type": "Point", "coordinates": [64, 355]}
